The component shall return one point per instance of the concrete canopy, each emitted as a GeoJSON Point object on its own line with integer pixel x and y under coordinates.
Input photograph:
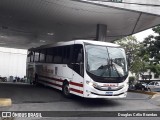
{"type": "Point", "coordinates": [30, 23]}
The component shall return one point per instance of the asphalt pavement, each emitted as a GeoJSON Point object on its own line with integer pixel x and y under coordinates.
{"type": "Point", "coordinates": [32, 98]}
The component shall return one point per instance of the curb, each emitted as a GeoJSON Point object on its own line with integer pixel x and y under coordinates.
{"type": "Point", "coordinates": [155, 96]}
{"type": "Point", "coordinates": [5, 102]}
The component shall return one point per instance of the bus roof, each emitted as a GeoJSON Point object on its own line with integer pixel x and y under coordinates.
{"type": "Point", "coordinates": [77, 42]}
{"type": "Point", "coordinates": [98, 43]}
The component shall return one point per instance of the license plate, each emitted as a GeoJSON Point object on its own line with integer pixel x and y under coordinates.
{"type": "Point", "coordinates": [109, 93]}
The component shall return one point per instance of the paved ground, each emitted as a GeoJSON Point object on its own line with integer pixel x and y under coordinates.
{"type": "Point", "coordinates": [32, 98]}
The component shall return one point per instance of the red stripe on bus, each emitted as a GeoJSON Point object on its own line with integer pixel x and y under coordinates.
{"type": "Point", "coordinates": [71, 89]}
{"type": "Point", "coordinates": [75, 90]}
{"type": "Point", "coordinates": [76, 84]}
{"type": "Point", "coordinates": [59, 80]}
{"type": "Point", "coordinates": [51, 83]}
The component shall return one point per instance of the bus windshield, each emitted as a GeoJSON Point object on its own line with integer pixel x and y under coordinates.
{"type": "Point", "coordinates": [103, 61]}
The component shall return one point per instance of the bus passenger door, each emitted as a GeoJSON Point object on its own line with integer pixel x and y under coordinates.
{"type": "Point", "coordinates": [78, 70]}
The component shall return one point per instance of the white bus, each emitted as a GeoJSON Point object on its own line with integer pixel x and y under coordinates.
{"type": "Point", "coordinates": [90, 69]}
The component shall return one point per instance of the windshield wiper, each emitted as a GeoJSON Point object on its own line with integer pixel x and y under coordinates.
{"type": "Point", "coordinates": [116, 70]}
{"type": "Point", "coordinates": [109, 66]}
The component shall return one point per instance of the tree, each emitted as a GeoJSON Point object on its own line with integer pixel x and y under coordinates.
{"type": "Point", "coordinates": [143, 56]}
{"type": "Point", "coordinates": [131, 80]}
{"type": "Point", "coordinates": [152, 49]}
{"type": "Point", "coordinates": [133, 48]}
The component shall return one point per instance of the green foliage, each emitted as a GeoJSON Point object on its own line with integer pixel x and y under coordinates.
{"type": "Point", "coordinates": [156, 29]}
{"type": "Point", "coordinates": [143, 56]}
{"type": "Point", "coordinates": [134, 51]}
{"type": "Point", "coordinates": [155, 68]}
{"type": "Point", "coordinates": [131, 79]}
{"type": "Point", "coordinates": [152, 50]}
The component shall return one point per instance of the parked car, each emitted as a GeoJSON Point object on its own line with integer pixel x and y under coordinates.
{"type": "Point", "coordinates": [140, 86]}
{"type": "Point", "coordinates": [144, 84]}
{"type": "Point", "coordinates": [154, 86]}
{"type": "Point", "coordinates": [131, 87]}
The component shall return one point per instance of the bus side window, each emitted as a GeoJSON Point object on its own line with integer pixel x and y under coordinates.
{"type": "Point", "coordinates": [36, 56]}
{"type": "Point", "coordinates": [78, 54]}
{"type": "Point", "coordinates": [32, 56]}
{"type": "Point", "coordinates": [29, 56]}
{"type": "Point", "coordinates": [54, 54]}
{"type": "Point", "coordinates": [58, 55]}
{"type": "Point", "coordinates": [42, 55]}
{"type": "Point", "coordinates": [66, 54]}
{"type": "Point", "coordinates": [78, 59]}
{"type": "Point", "coordinates": [49, 55]}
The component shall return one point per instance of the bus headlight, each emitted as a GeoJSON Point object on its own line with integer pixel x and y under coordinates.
{"type": "Point", "coordinates": [92, 84]}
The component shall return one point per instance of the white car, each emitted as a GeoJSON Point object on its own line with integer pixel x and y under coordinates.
{"type": "Point", "coordinates": [154, 86]}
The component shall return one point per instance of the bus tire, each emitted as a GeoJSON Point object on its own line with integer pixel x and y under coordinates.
{"type": "Point", "coordinates": [35, 82]}
{"type": "Point", "coordinates": [65, 90]}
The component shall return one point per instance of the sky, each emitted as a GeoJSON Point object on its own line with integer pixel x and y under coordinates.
{"type": "Point", "coordinates": [141, 35]}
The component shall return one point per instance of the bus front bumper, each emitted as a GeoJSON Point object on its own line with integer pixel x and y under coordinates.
{"type": "Point", "coordinates": [94, 93]}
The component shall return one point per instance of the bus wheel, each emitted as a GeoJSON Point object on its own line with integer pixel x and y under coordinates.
{"type": "Point", "coordinates": [35, 82]}
{"type": "Point", "coordinates": [65, 90]}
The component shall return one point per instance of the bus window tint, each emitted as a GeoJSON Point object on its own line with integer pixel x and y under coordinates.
{"type": "Point", "coordinates": [29, 56]}
{"type": "Point", "coordinates": [42, 55]}
{"type": "Point", "coordinates": [36, 56]}
{"type": "Point", "coordinates": [49, 55]}
{"type": "Point", "coordinates": [58, 55]}
{"type": "Point", "coordinates": [32, 57]}
{"type": "Point", "coordinates": [66, 54]}
{"type": "Point", "coordinates": [78, 54]}
{"type": "Point", "coordinates": [78, 59]}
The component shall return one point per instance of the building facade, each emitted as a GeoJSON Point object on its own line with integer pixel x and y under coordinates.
{"type": "Point", "coordinates": [149, 76]}
{"type": "Point", "coordinates": [12, 62]}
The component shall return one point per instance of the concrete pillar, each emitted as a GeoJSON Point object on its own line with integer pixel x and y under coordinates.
{"type": "Point", "coordinates": [101, 32]}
